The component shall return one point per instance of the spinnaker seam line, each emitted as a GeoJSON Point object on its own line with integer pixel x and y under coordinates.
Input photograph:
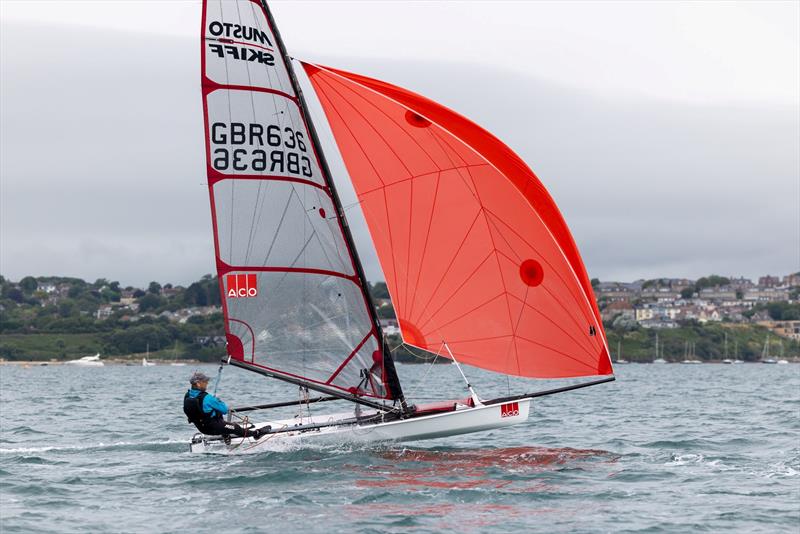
{"type": "Point", "coordinates": [437, 327]}
{"type": "Point", "coordinates": [421, 265]}
{"type": "Point", "coordinates": [496, 252]}
{"type": "Point", "coordinates": [590, 366]}
{"type": "Point", "coordinates": [554, 297]}
{"type": "Point", "coordinates": [450, 264]}
{"type": "Point", "coordinates": [417, 176]}
{"type": "Point", "coordinates": [377, 175]}
{"type": "Point", "coordinates": [374, 129]}
{"type": "Point", "coordinates": [525, 304]}
{"type": "Point", "coordinates": [544, 259]}
{"type": "Point", "coordinates": [453, 293]}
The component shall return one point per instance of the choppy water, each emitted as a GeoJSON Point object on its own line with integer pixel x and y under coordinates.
{"type": "Point", "coordinates": [666, 448]}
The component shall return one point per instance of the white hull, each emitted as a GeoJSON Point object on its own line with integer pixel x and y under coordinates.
{"type": "Point", "coordinates": [87, 361]}
{"type": "Point", "coordinates": [463, 420]}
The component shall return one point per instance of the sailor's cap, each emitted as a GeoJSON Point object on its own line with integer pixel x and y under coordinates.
{"type": "Point", "coordinates": [198, 377]}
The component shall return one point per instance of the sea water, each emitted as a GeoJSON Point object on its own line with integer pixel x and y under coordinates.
{"type": "Point", "coordinates": [665, 448]}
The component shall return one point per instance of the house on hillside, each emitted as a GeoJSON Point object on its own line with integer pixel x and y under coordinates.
{"type": "Point", "coordinates": [767, 294]}
{"type": "Point", "coordinates": [787, 329]}
{"type": "Point", "coordinates": [389, 326]}
{"type": "Point", "coordinates": [104, 312]}
{"type": "Point", "coordinates": [613, 291]}
{"type": "Point", "coordinates": [719, 293]}
{"type": "Point", "coordinates": [791, 280]}
{"type": "Point", "coordinates": [768, 281]}
{"type": "Point", "coordinates": [658, 323]}
{"type": "Point", "coordinates": [615, 309]}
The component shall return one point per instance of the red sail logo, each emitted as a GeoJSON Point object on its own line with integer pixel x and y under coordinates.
{"type": "Point", "coordinates": [510, 409]}
{"type": "Point", "coordinates": [242, 286]}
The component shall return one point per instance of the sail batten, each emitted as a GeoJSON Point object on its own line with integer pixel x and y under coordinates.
{"type": "Point", "coordinates": [471, 244]}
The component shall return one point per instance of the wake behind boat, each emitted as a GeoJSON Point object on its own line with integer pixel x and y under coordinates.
{"type": "Point", "coordinates": [480, 265]}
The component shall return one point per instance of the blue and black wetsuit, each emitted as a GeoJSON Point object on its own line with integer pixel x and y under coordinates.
{"type": "Point", "coordinates": [206, 411]}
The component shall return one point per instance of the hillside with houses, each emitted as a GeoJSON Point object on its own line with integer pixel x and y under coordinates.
{"type": "Point", "coordinates": [51, 318]}
{"type": "Point", "coordinates": [666, 303]}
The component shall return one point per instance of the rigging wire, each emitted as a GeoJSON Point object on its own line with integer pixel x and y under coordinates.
{"type": "Point", "coordinates": [219, 378]}
{"type": "Point", "coordinates": [430, 366]}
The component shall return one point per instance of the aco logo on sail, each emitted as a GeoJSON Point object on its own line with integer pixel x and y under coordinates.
{"type": "Point", "coordinates": [241, 286]}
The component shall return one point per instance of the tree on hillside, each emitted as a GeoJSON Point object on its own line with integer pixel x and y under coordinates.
{"type": "Point", "coordinates": [379, 290]}
{"type": "Point", "coordinates": [66, 308]}
{"type": "Point", "coordinates": [28, 285]}
{"type": "Point", "coordinates": [687, 292]}
{"type": "Point", "coordinates": [150, 302]}
{"type": "Point", "coordinates": [196, 295]}
{"type": "Point", "coordinates": [712, 281]}
{"type": "Point", "coordinates": [783, 311]}
{"type": "Point", "coordinates": [138, 293]}
{"type": "Point", "coordinates": [154, 288]}
{"type": "Point", "coordinates": [386, 312]}
{"type": "Point", "coordinates": [14, 294]}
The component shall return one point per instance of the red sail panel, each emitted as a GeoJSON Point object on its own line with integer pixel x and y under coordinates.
{"type": "Point", "coordinates": [475, 252]}
{"type": "Point", "coordinates": [292, 299]}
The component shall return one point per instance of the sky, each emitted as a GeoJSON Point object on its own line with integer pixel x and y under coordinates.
{"type": "Point", "coordinates": [668, 133]}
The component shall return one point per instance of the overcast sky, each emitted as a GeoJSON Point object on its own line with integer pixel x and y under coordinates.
{"type": "Point", "coordinates": [668, 133]}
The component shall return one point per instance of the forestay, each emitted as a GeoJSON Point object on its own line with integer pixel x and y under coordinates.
{"type": "Point", "coordinates": [474, 250]}
{"type": "Point", "coordinates": [292, 297]}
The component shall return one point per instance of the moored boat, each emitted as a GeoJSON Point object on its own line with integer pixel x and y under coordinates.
{"type": "Point", "coordinates": [87, 361]}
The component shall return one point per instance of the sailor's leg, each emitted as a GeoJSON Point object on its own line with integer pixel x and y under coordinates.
{"type": "Point", "coordinates": [223, 428]}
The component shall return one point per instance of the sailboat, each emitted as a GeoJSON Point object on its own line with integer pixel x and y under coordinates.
{"type": "Point", "coordinates": [620, 359]}
{"type": "Point", "coordinates": [145, 362]}
{"type": "Point", "coordinates": [689, 356]}
{"type": "Point", "coordinates": [765, 357]}
{"type": "Point", "coordinates": [480, 265]}
{"type": "Point", "coordinates": [87, 361]}
{"type": "Point", "coordinates": [658, 358]}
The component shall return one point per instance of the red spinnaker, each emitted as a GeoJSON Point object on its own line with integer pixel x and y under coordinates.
{"type": "Point", "coordinates": [475, 252]}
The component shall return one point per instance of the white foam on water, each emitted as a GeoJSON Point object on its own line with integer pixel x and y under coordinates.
{"type": "Point", "coordinates": [684, 459]}
{"type": "Point", "coordinates": [101, 445]}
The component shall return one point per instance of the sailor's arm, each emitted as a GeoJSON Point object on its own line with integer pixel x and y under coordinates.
{"type": "Point", "coordinates": [212, 403]}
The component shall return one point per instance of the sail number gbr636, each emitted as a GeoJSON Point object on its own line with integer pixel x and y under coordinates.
{"type": "Point", "coordinates": [255, 148]}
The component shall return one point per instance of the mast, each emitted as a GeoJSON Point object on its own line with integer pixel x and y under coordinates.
{"type": "Point", "coordinates": [393, 381]}
{"type": "Point", "coordinates": [726, 345]}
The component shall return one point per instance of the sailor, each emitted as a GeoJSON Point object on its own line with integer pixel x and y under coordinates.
{"type": "Point", "coordinates": [206, 411]}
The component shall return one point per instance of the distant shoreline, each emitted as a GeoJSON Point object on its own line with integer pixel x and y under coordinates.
{"type": "Point", "coordinates": [110, 361]}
